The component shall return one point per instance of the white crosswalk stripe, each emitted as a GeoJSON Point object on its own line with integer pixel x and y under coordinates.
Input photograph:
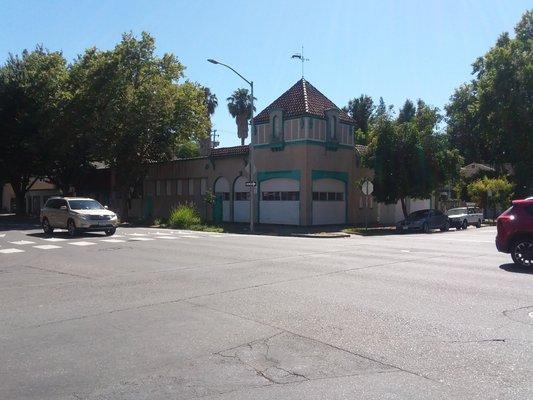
{"type": "Point", "coordinates": [47, 247]}
{"type": "Point", "coordinates": [126, 237]}
{"type": "Point", "coordinates": [9, 251]}
{"type": "Point", "coordinates": [22, 242]}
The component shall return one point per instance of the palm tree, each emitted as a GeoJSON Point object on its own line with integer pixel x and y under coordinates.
{"type": "Point", "coordinates": [240, 108]}
{"type": "Point", "coordinates": [211, 101]}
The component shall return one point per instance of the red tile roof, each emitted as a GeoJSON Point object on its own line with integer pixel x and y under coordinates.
{"type": "Point", "coordinates": [229, 151]}
{"type": "Point", "coordinates": [302, 99]}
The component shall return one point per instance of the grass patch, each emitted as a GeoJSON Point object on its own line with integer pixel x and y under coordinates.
{"type": "Point", "coordinates": [186, 216]}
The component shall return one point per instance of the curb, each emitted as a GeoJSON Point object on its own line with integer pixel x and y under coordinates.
{"type": "Point", "coordinates": [322, 236]}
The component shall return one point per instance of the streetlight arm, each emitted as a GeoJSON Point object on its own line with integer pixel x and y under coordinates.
{"type": "Point", "coordinates": [227, 66]}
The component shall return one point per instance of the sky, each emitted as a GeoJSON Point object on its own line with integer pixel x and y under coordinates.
{"type": "Point", "coordinates": [394, 49]}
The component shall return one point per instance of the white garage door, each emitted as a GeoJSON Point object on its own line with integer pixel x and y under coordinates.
{"type": "Point", "coordinates": [280, 202]}
{"type": "Point", "coordinates": [329, 202]}
{"type": "Point", "coordinates": [222, 190]}
{"type": "Point", "coordinates": [241, 201]}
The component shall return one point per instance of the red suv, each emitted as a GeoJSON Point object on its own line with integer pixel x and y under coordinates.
{"type": "Point", "coordinates": [515, 232]}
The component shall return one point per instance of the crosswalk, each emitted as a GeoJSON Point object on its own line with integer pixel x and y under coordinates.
{"type": "Point", "coordinates": [11, 246]}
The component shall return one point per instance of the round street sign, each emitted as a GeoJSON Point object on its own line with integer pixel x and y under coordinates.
{"type": "Point", "coordinates": [367, 187]}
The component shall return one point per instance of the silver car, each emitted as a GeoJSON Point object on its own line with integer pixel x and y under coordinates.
{"type": "Point", "coordinates": [461, 217]}
{"type": "Point", "coordinates": [77, 214]}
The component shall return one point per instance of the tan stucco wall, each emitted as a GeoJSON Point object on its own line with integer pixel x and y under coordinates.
{"type": "Point", "coordinates": [197, 169]}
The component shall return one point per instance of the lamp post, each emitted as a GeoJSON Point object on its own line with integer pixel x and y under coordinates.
{"type": "Point", "coordinates": [252, 165]}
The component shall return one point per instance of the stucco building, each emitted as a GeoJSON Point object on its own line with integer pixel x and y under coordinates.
{"type": "Point", "coordinates": [307, 168]}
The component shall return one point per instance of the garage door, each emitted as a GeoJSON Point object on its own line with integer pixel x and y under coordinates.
{"type": "Point", "coordinates": [241, 201]}
{"type": "Point", "coordinates": [329, 202]}
{"type": "Point", "coordinates": [222, 191]}
{"type": "Point", "coordinates": [280, 202]}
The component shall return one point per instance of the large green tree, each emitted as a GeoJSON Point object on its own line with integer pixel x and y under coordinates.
{"type": "Point", "coordinates": [490, 119]}
{"type": "Point", "coordinates": [361, 109]}
{"type": "Point", "coordinates": [32, 94]}
{"type": "Point", "coordinates": [409, 157]}
{"type": "Point", "coordinates": [139, 108]}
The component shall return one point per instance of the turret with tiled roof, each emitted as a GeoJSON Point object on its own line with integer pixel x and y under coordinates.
{"type": "Point", "coordinates": [300, 100]}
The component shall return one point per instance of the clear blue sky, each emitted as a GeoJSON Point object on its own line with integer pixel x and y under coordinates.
{"type": "Point", "coordinates": [395, 49]}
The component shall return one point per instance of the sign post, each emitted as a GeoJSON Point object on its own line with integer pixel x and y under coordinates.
{"type": "Point", "coordinates": [367, 188]}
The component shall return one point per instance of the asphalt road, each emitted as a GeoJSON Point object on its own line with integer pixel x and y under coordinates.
{"type": "Point", "coordinates": [154, 314]}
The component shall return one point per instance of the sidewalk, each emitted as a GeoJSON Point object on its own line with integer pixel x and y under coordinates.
{"type": "Point", "coordinates": [333, 231]}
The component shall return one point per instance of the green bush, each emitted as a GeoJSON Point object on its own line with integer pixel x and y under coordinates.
{"type": "Point", "coordinates": [184, 216]}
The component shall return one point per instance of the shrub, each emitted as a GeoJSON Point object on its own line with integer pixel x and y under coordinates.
{"type": "Point", "coordinates": [184, 216]}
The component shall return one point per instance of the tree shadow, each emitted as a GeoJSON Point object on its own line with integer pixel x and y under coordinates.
{"type": "Point", "coordinates": [511, 267]}
{"type": "Point", "coordinates": [65, 235]}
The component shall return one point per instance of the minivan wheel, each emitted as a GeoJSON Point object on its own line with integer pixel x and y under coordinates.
{"type": "Point", "coordinates": [110, 232]}
{"type": "Point", "coordinates": [522, 252]}
{"type": "Point", "coordinates": [465, 224]}
{"type": "Point", "coordinates": [71, 227]}
{"type": "Point", "coordinates": [47, 228]}
{"type": "Point", "coordinates": [446, 227]}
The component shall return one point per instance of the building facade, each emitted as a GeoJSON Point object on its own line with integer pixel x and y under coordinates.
{"type": "Point", "coordinates": [307, 170]}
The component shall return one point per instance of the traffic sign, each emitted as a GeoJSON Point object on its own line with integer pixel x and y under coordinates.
{"type": "Point", "coordinates": [251, 183]}
{"type": "Point", "coordinates": [367, 187]}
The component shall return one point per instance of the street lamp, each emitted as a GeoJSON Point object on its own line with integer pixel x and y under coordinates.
{"type": "Point", "coordinates": [252, 165]}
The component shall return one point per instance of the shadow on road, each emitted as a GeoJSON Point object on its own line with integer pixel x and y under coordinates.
{"type": "Point", "coordinates": [511, 267]}
{"type": "Point", "coordinates": [65, 235]}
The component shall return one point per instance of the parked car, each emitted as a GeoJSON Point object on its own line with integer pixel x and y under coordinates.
{"type": "Point", "coordinates": [424, 220]}
{"type": "Point", "coordinates": [461, 217]}
{"type": "Point", "coordinates": [77, 214]}
{"type": "Point", "coordinates": [515, 232]}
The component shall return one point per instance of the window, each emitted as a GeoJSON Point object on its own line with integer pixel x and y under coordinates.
{"type": "Point", "coordinates": [158, 188]}
{"type": "Point", "coordinates": [242, 196]}
{"type": "Point", "coordinates": [328, 196]}
{"type": "Point", "coordinates": [280, 196]}
{"type": "Point", "coordinates": [191, 187]}
{"type": "Point", "coordinates": [179, 187]}
{"type": "Point", "coordinates": [169, 187]}
{"type": "Point", "coordinates": [203, 186]}
{"type": "Point", "coordinates": [223, 195]}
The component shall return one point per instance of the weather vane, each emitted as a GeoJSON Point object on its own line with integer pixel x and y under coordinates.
{"type": "Point", "coordinates": [302, 59]}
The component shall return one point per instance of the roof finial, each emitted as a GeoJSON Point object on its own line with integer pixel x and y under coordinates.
{"type": "Point", "coordinates": [302, 59]}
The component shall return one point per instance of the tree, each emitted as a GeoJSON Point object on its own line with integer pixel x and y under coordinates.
{"type": "Point", "coordinates": [240, 108]}
{"type": "Point", "coordinates": [407, 112]}
{"type": "Point", "coordinates": [211, 101]}
{"type": "Point", "coordinates": [188, 149]}
{"type": "Point", "coordinates": [495, 108]}
{"type": "Point", "coordinates": [361, 109]}
{"type": "Point", "coordinates": [31, 96]}
{"type": "Point", "coordinates": [411, 158]}
{"type": "Point", "coordinates": [490, 192]}
{"type": "Point", "coordinates": [139, 109]}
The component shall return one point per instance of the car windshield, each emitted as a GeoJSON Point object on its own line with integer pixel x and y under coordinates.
{"type": "Point", "coordinates": [456, 211]}
{"type": "Point", "coordinates": [418, 214]}
{"type": "Point", "coordinates": [85, 205]}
